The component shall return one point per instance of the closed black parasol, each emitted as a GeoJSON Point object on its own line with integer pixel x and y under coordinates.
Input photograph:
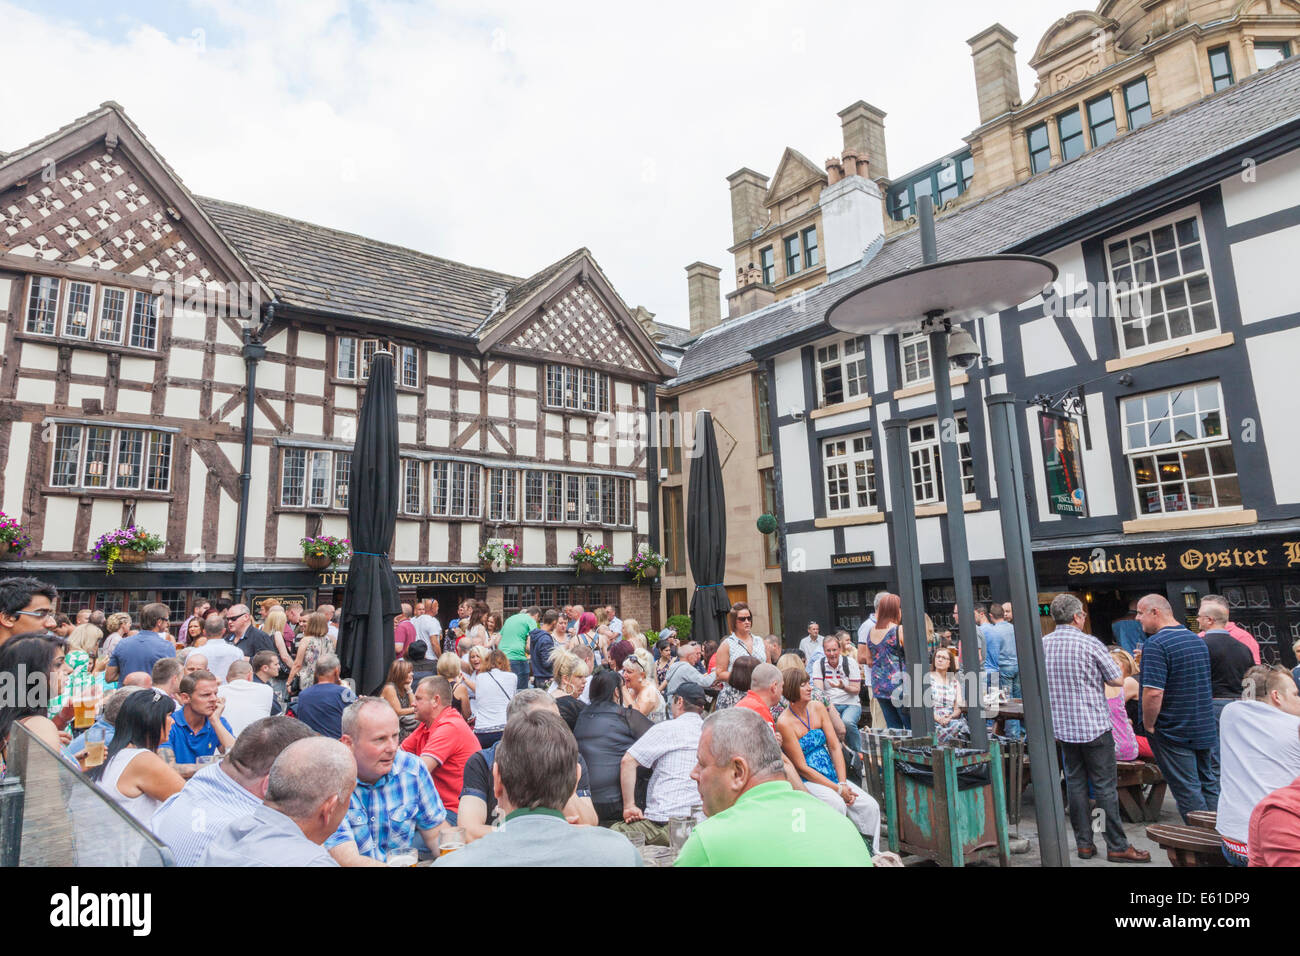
{"type": "Point", "coordinates": [706, 534]}
{"type": "Point", "coordinates": [370, 599]}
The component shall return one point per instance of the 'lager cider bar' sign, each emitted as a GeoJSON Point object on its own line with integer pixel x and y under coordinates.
{"type": "Point", "coordinates": [854, 559]}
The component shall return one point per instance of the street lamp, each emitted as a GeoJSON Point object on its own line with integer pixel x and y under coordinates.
{"type": "Point", "coordinates": [936, 297]}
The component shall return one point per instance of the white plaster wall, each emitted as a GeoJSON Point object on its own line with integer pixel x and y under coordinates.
{"type": "Point", "coordinates": [467, 402]}
{"type": "Point", "coordinates": [89, 363]}
{"type": "Point", "coordinates": [1262, 267]}
{"type": "Point", "coordinates": [1043, 346]}
{"type": "Point", "coordinates": [311, 345]}
{"type": "Point", "coordinates": [797, 497]}
{"type": "Point", "coordinates": [60, 523]}
{"type": "Point", "coordinates": [1275, 185]}
{"type": "Point", "coordinates": [16, 476]}
{"type": "Point", "coordinates": [622, 547]}
{"type": "Point", "coordinates": [78, 393]}
{"type": "Point", "coordinates": [308, 419]}
{"type": "Point", "coordinates": [291, 530]}
{"type": "Point", "coordinates": [198, 505]}
{"type": "Point", "coordinates": [534, 546]}
{"type": "Point", "coordinates": [45, 357]}
{"type": "Point", "coordinates": [105, 515]}
{"type": "Point", "coordinates": [525, 442]}
{"type": "Point", "coordinates": [406, 542]}
{"type": "Point", "coordinates": [810, 550]}
{"type": "Point", "coordinates": [984, 536]}
{"type": "Point", "coordinates": [151, 515]}
{"type": "Point", "coordinates": [788, 369]}
{"type": "Point", "coordinates": [869, 537]}
{"type": "Point", "coordinates": [182, 403]}
{"type": "Point", "coordinates": [1272, 359]}
{"type": "Point", "coordinates": [469, 543]}
{"type": "Point", "coordinates": [258, 486]}
{"type": "Point", "coordinates": [929, 541]}
{"type": "Point", "coordinates": [438, 542]}
{"type": "Point", "coordinates": [128, 400]}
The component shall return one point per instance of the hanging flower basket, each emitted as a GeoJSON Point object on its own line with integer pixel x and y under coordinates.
{"type": "Point", "coordinates": [325, 550]}
{"type": "Point", "coordinates": [591, 558]}
{"type": "Point", "coordinates": [13, 539]}
{"type": "Point", "coordinates": [645, 566]}
{"type": "Point", "coordinates": [497, 556]}
{"type": "Point", "coordinates": [128, 545]}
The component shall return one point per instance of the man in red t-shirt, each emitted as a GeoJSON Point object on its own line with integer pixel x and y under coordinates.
{"type": "Point", "coordinates": [1274, 833]}
{"type": "Point", "coordinates": [764, 692]}
{"type": "Point", "coordinates": [443, 740]}
{"type": "Point", "coordinates": [403, 631]}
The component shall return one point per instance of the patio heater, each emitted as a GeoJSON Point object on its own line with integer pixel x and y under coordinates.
{"type": "Point", "coordinates": [936, 297]}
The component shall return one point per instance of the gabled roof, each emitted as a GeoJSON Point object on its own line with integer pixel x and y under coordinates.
{"type": "Point", "coordinates": [793, 172]}
{"type": "Point", "coordinates": [110, 126]}
{"type": "Point", "coordinates": [536, 295]}
{"type": "Point", "coordinates": [328, 270]}
{"type": "Point", "coordinates": [1040, 213]}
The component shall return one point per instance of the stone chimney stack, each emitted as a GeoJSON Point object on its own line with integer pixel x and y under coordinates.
{"type": "Point", "coordinates": [864, 137]}
{"type": "Point", "coordinates": [747, 213]}
{"type": "Point", "coordinates": [705, 290]}
{"type": "Point", "coordinates": [997, 81]}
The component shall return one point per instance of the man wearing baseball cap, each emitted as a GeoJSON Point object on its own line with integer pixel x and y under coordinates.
{"type": "Point", "coordinates": [667, 750]}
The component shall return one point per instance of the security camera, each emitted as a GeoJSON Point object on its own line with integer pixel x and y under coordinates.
{"type": "Point", "coordinates": [962, 350]}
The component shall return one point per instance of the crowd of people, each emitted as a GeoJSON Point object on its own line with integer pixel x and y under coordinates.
{"type": "Point", "coordinates": [569, 735]}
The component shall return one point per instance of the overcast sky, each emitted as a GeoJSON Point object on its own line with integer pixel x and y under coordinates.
{"type": "Point", "coordinates": [506, 135]}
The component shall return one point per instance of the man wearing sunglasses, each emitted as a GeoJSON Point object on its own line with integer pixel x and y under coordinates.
{"type": "Point", "coordinates": [244, 635]}
{"type": "Point", "coordinates": [26, 607]}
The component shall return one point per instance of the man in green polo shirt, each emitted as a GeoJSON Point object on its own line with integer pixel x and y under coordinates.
{"type": "Point", "coordinates": [514, 642]}
{"type": "Point", "coordinates": [755, 818]}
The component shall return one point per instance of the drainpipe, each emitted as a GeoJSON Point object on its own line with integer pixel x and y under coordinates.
{"type": "Point", "coordinates": [253, 351]}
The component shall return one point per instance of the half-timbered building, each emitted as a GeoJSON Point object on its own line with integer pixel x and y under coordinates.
{"type": "Point", "coordinates": [1165, 352]}
{"type": "Point", "coordinates": [141, 322]}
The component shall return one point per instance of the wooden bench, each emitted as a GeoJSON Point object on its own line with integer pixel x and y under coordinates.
{"type": "Point", "coordinates": [1188, 846]}
{"type": "Point", "coordinates": [1141, 790]}
{"type": "Point", "coordinates": [1203, 819]}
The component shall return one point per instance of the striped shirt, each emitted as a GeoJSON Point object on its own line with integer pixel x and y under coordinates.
{"type": "Point", "coordinates": [190, 819]}
{"type": "Point", "coordinates": [1077, 670]}
{"type": "Point", "coordinates": [669, 750]}
{"type": "Point", "coordinates": [1178, 662]}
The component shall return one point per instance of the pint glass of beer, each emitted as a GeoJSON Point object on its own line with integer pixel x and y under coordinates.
{"type": "Point", "coordinates": [96, 748]}
{"type": "Point", "coordinates": [451, 840]}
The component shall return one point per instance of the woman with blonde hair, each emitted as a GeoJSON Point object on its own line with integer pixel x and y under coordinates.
{"type": "Point", "coordinates": [86, 637]}
{"type": "Point", "coordinates": [314, 643]}
{"type": "Point", "coordinates": [1125, 704]}
{"type": "Point", "coordinates": [276, 623]}
{"type": "Point", "coordinates": [493, 685]}
{"type": "Point", "coordinates": [116, 627]}
{"type": "Point", "coordinates": [449, 668]}
{"type": "Point", "coordinates": [632, 632]}
{"type": "Point", "coordinates": [640, 689]}
{"type": "Point", "coordinates": [571, 673]}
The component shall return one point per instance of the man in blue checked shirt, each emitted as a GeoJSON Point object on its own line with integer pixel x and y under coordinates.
{"type": "Point", "coordinates": [394, 796]}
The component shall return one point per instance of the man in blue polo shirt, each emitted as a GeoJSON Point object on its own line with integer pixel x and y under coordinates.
{"type": "Point", "coordinates": [1177, 706]}
{"type": "Point", "coordinates": [143, 649]}
{"type": "Point", "coordinates": [198, 729]}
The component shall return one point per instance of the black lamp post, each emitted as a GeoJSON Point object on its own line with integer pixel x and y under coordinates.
{"type": "Point", "coordinates": [935, 297]}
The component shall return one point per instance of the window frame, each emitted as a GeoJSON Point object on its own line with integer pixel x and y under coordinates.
{"type": "Point", "coordinates": [1093, 126]}
{"type": "Point", "coordinates": [1226, 74]}
{"type": "Point", "coordinates": [1158, 285]}
{"type": "Point", "coordinates": [1130, 108]}
{"type": "Point", "coordinates": [848, 460]}
{"type": "Point", "coordinates": [1281, 46]}
{"type": "Point", "coordinates": [793, 255]}
{"type": "Point", "coordinates": [674, 526]}
{"type": "Point", "coordinates": [574, 382]}
{"type": "Point", "coordinates": [914, 340]}
{"type": "Point", "coordinates": [767, 264]}
{"type": "Point", "coordinates": [335, 475]}
{"type": "Point", "coordinates": [811, 253]}
{"type": "Point", "coordinates": [841, 362]}
{"type": "Point", "coordinates": [502, 486]}
{"type": "Point", "coordinates": [1045, 151]}
{"type": "Point", "coordinates": [763, 413]}
{"type": "Point", "coordinates": [931, 450]}
{"type": "Point", "coordinates": [1154, 451]}
{"type": "Point", "coordinates": [53, 321]}
{"type": "Point", "coordinates": [767, 492]}
{"type": "Point", "coordinates": [145, 467]}
{"type": "Point", "coordinates": [1077, 114]}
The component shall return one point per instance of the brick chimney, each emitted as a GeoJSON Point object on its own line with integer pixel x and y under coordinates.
{"type": "Point", "coordinates": [747, 213]}
{"type": "Point", "coordinates": [864, 137]}
{"type": "Point", "coordinates": [705, 291]}
{"type": "Point", "coordinates": [997, 81]}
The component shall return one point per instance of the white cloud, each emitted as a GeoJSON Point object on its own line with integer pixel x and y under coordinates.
{"type": "Point", "coordinates": [505, 134]}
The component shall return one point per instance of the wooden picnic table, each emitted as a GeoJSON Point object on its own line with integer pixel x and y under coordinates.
{"type": "Point", "coordinates": [1008, 710]}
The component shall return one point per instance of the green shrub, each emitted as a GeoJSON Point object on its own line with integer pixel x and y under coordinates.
{"type": "Point", "coordinates": [682, 622]}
